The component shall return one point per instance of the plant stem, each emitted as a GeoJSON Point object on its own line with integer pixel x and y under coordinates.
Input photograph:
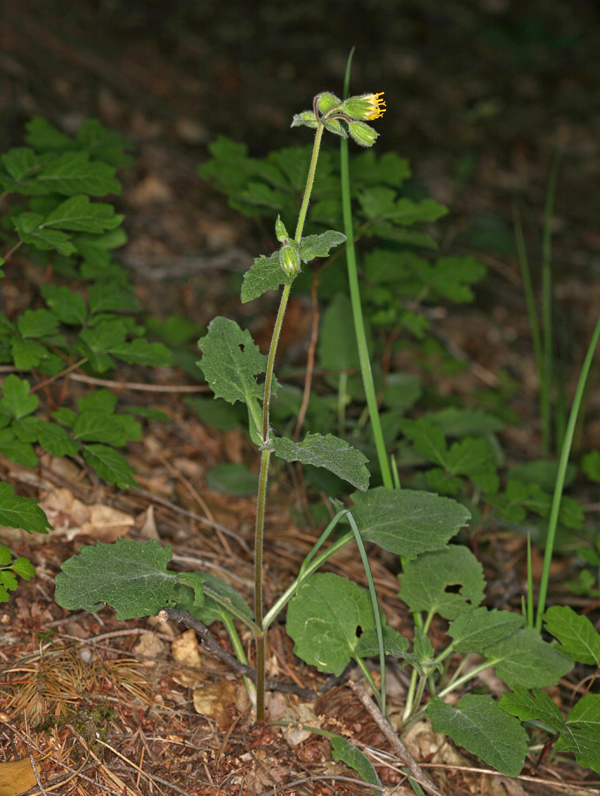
{"type": "Point", "coordinates": [266, 451]}
{"type": "Point", "coordinates": [560, 476]}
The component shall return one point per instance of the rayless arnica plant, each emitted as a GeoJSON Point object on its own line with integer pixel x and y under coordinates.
{"type": "Point", "coordinates": [330, 618]}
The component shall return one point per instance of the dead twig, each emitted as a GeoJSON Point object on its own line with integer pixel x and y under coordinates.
{"type": "Point", "coordinates": [400, 750]}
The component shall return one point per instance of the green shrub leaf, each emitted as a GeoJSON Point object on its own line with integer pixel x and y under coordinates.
{"type": "Point", "coordinates": [16, 400]}
{"type": "Point", "coordinates": [110, 465]}
{"type": "Point", "coordinates": [425, 582]}
{"type": "Point", "coordinates": [407, 522]}
{"type": "Point", "coordinates": [99, 426]}
{"type": "Point", "coordinates": [325, 620]}
{"type": "Point", "coordinates": [78, 214]}
{"type": "Point", "coordinates": [579, 639]}
{"type": "Point", "coordinates": [67, 305]}
{"type": "Point", "coordinates": [333, 453]}
{"type": "Point", "coordinates": [21, 512]}
{"type": "Point", "coordinates": [479, 725]}
{"type": "Point", "coordinates": [131, 577]}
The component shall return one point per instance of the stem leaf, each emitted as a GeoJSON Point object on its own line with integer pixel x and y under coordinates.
{"type": "Point", "coordinates": [331, 452]}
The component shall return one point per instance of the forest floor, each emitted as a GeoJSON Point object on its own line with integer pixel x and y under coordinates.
{"type": "Point", "coordinates": [480, 102]}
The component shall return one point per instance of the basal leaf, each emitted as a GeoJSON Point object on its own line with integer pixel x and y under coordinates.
{"type": "Point", "coordinates": [110, 465]}
{"type": "Point", "coordinates": [479, 725]}
{"type": "Point", "coordinates": [427, 584]}
{"type": "Point", "coordinates": [524, 660]}
{"type": "Point", "coordinates": [474, 631]}
{"type": "Point", "coordinates": [343, 750]}
{"type": "Point", "coordinates": [580, 641]}
{"type": "Point", "coordinates": [582, 732]}
{"type": "Point", "coordinates": [325, 620]}
{"type": "Point", "coordinates": [16, 399]}
{"type": "Point", "coordinates": [210, 611]}
{"type": "Point", "coordinates": [21, 512]}
{"type": "Point", "coordinates": [528, 705]}
{"type": "Point", "coordinates": [319, 245]}
{"type": "Point", "coordinates": [67, 305]}
{"type": "Point", "coordinates": [393, 643]}
{"type": "Point", "coordinates": [265, 274]}
{"type": "Point", "coordinates": [131, 577]}
{"type": "Point", "coordinates": [230, 361]}
{"type": "Point", "coordinates": [407, 522]}
{"type": "Point", "coordinates": [331, 452]}
{"type": "Point", "coordinates": [78, 214]}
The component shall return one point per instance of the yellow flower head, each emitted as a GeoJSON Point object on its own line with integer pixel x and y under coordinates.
{"type": "Point", "coordinates": [367, 106]}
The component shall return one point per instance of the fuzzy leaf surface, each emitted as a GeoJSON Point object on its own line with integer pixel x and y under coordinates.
{"type": "Point", "coordinates": [129, 576]}
{"type": "Point", "coordinates": [21, 512]}
{"type": "Point", "coordinates": [582, 732]}
{"type": "Point", "coordinates": [407, 522]}
{"type": "Point", "coordinates": [474, 631]}
{"type": "Point", "coordinates": [319, 245]}
{"type": "Point", "coordinates": [343, 750]}
{"type": "Point", "coordinates": [424, 582]}
{"type": "Point", "coordinates": [524, 660]}
{"type": "Point", "coordinates": [333, 453]}
{"type": "Point", "coordinates": [579, 639]}
{"type": "Point", "coordinates": [265, 274]}
{"type": "Point", "coordinates": [210, 611]}
{"type": "Point", "coordinates": [324, 618]}
{"type": "Point", "coordinates": [484, 729]}
{"type": "Point", "coordinates": [230, 361]}
{"type": "Point", "coordinates": [528, 705]}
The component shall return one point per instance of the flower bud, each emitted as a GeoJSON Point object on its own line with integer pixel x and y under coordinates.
{"type": "Point", "coordinates": [362, 133]}
{"type": "Point", "coordinates": [367, 106]}
{"type": "Point", "coordinates": [280, 230]}
{"type": "Point", "coordinates": [306, 119]}
{"type": "Point", "coordinates": [327, 101]}
{"type": "Point", "coordinates": [334, 126]}
{"type": "Point", "coordinates": [289, 259]}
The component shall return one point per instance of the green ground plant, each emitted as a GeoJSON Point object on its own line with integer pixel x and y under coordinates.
{"type": "Point", "coordinates": [332, 620]}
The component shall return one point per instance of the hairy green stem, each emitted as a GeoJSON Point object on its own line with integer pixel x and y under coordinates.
{"type": "Point", "coordinates": [266, 451]}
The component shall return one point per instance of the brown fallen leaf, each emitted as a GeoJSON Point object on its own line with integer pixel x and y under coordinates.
{"type": "Point", "coordinates": [216, 700]}
{"type": "Point", "coordinates": [17, 777]}
{"type": "Point", "coordinates": [185, 652]}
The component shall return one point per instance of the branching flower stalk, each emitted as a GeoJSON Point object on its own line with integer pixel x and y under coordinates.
{"type": "Point", "coordinates": [328, 113]}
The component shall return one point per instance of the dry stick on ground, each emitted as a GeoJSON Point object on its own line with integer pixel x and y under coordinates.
{"type": "Point", "coordinates": [399, 749]}
{"type": "Point", "coordinates": [212, 646]}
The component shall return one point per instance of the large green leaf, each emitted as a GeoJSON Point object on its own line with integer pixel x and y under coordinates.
{"type": "Point", "coordinates": [407, 522]}
{"type": "Point", "coordinates": [331, 452]}
{"type": "Point", "coordinates": [210, 611]}
{"type": "Point", "coordinates": [265, 274]}
{"type": "Point", "coordinates": [524, 660]}
{"type": "Point", "coordinates": [21, 512]}
{"type": "Point", "coordinates": [131, 577]}
{"type": "Point", "coordinates": [580, 641]}
{"type": "Point", "coordinates": [580, 733]}
{"type": "Point", "coordinates": [474, 631]}
{"type": "Point", "coordinates": [230, 361]}
{"type": "Point", "coordinates": [428, 584]}
{"type": "Point", "coordinates": [484, 729]}
{"type": "Point", "coordinates": [326, 618]}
